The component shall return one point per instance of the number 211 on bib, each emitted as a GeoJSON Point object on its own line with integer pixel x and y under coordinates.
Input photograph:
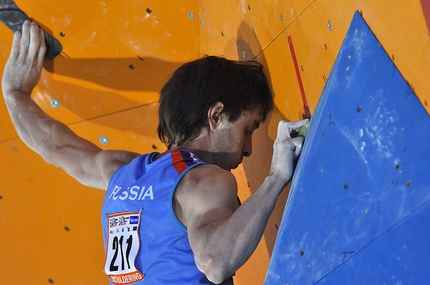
{"type": "Point", "coordinates": [122, 248]}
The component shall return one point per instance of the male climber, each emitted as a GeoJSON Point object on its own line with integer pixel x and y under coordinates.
{"type": "Point", "coordinates": [172, 217]}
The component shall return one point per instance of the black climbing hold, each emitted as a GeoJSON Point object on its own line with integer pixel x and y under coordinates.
{"type": "Point", "coordinates": [13, 18]}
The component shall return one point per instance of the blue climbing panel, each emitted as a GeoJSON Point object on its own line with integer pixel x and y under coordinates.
{"type": "Point", "coordinates": [359, 207]}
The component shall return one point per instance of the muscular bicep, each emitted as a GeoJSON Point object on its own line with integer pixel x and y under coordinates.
{"type": "Point", "coordinates": [94, 169]}
{"type": "Point", "coordinates": [208, 197]}
{"type": "Point", "coordinates": [83, 160]}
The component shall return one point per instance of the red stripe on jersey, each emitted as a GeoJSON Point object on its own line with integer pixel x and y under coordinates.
{"type": "Point", "coordinates": [177, 161]}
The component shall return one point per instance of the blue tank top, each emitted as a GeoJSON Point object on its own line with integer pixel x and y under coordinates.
{"type": "Point", "coordinates": [144, 241]}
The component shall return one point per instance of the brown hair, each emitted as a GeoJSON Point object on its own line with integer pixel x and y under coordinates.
{"type": "Point", "coordinates": [194, 87]}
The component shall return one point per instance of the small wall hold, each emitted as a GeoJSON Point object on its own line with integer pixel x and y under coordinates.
{"type": "Point", "coordinates": [67, 228]}
{"type": "Point", "coordinates": [282, 17]}
{"type": "Point", "coordinates": [50, 280]}
{"type": "Point", "coordinates": [154, 146]}
{"type": "Point", "coordinates": [103, 140]}
{"type": "Point", "coordinates": [359, 108]}
{"type": "Point", "coordinates": [191, 16]}
{"type": "Point", "coordinates": [345, 186]}
{"type": "Point", "coordinates": [302, 253]}
{"type": "Point", "coordinates": [148, 10]}
{"type": "Point", "coordinates": [55, 103]}
{"type": "Point", "coordinates": [62, 34]}
{"type": "Point", "coordinates": [131, 66]}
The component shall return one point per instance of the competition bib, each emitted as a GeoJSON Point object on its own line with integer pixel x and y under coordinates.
{"type": "Point", "coordinates": [122, 248]}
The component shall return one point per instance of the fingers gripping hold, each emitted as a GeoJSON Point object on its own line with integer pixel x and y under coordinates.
{"type": "Point", "coordinates": [24, 66]}
{"type": "Point", "coordinates": [32, 41]}
{"type": "Point", "coordinates": [285, 129]}
{"type": "Point", "coordinates": [298, 144]}
{"type": "Point", "coordinates": [286, 149]}
{"type": "Point", "coordinates": [42, 49]}
{"type": "Point", "coordinates": [15, 45]}
{"type": "Point", "coordinates": [24, 41]}
{"type": "Point", "coordinates": [13, 17]}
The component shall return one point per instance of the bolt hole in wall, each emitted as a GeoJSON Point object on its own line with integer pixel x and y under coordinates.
{"type": "Point", "coordinates": [330, 27]}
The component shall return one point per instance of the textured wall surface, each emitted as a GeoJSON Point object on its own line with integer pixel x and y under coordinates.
{"type": "Point", "coordinates": [360, 197]}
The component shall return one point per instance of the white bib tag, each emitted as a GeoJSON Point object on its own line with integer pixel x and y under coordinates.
{"type": "Point", "coordinates": [122, 248]}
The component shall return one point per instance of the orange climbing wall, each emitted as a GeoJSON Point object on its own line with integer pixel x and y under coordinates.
{"type": "Point", "coordinates": [116, 56]}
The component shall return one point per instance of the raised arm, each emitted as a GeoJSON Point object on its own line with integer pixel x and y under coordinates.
{"type": "Point", "coordinates": [53, 140]}
{"type": "Point", "coordinates": [222, 234]}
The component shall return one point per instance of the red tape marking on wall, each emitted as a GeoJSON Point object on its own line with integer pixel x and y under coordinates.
{"type": "Point", "coordinates": [307, 114]}
{"type": "Point", "coordinates": [425, 4]}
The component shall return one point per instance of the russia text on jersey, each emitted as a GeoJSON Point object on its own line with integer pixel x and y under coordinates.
{"type": "Point", "coordinates": [132, 193]}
